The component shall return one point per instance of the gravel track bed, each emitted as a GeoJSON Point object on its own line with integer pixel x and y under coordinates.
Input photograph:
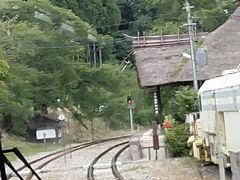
{"type": "Point", "coordinates": [75, 167]}
{"type": "Point", "coordinates": [169, 169]}
{"type": "Point", "coordinates": [103, 166]}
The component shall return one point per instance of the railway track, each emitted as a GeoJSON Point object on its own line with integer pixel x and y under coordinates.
{"type": "Point", "coordinates": [90, 175]}
{"type": "Point", "coordinates": [114, 164]}
{"type": "Point", "coordinates": [58, 154]}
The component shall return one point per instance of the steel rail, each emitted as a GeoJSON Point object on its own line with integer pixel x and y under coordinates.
{"type": "Point", "coordinates": [68, 150]}
{"type": "Point", "coordinates": [10, 175]}
{"type": "Point", "coordinates": [29, 177]}
{"type": "Point", "coordinates": [115, 171]}
{"type": "Point", "coordinates": [90, 175]}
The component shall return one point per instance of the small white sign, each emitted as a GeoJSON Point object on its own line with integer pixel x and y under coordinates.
{"type": "Point", "coordinates": [61, 117]}
{"type": "Point", "coordinates": [45, 133]}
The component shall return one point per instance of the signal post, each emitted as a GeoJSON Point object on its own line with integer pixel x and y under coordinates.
{"type": "Point", "coordinates": [130, 106]}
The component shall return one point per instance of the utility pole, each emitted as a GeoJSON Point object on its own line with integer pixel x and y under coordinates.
{"type": "Point", "coordinates": [94, 55]}
{"type": "Point", "coordinates": [92, 129]}
{"type": "Point", "coordinates": [100, 55]}
{"type": "Point", "coordinates": [70, 137]}
{"type": "Point", "coordinates": [88, 55]}
{"type": "Point", "coordinates": [190, 25]}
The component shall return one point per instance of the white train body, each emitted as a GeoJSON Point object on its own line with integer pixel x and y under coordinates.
{"type": "Point", "coordinates": [220, 116]}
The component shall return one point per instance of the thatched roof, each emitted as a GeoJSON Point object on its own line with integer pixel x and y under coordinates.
{"type": "Point", "coordinates": [51, 116]}
{"type": "Point", "coordinates": [43, 120]}
{"type": "Point", "coordinates": [165, 65]}
{"type": "Point", "coordinates": [223, 46]}
{"type": "Point", "coordinates": [160, 65]}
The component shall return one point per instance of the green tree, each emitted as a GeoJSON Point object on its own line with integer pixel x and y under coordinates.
{"type": "Point", "coordinates": [43, 58]}
{"type": "Point", "coordinates": [156, 15]}
{"type": "Point", "coordinates": [102, 14]}
{"type": "Point", "coordinates": [183, 102]}
{"type": "Point", "coordinates": [4, 68]}
{"type": "Point", "coordinates": [208, 14]}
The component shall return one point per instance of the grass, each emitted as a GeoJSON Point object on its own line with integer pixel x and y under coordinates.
{"type": "Point", "coordinates": [25, 148]}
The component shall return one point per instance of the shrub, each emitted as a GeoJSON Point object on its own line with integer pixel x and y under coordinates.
{"type": "Point", "coordinates": [176, 140]}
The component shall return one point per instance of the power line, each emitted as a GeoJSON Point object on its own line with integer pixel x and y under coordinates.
{"type": "Point", "coordinates": [119, 40]}
{"type": "Point", "coordinates": [87, 44]}
{"type": "Point", "coordinates": [160, 17]}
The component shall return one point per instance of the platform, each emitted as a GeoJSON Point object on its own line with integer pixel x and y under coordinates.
{"type": "Point", "coordinates": [148, 152]}
{"type": "Point", "coordinates": [141, 147]}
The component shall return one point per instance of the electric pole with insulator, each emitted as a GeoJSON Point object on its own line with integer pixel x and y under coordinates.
{"type": "Point", "coordinates": [190, 25]}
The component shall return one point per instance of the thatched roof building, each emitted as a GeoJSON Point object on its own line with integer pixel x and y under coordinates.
{"type": "Point", "coordinates": [165, 64]}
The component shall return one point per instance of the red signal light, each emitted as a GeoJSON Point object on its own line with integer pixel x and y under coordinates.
{"type": "Point", "coordinates": [129, 102]}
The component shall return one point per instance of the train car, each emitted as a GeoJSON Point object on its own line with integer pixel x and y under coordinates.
{"type": "Point", "coordinates": [218, 129]}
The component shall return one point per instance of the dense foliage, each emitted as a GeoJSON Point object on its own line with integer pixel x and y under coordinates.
{"type": "Point", "coordinates": [180, 101]}
{"type": "Point", "coordinates": [43, 58]}
{"type": "Point", "coordinates": [156, 15]}
{"type": "Point", "coordinates": [176, 140]}
{"type": "Point", "coordinates": [102, 14]}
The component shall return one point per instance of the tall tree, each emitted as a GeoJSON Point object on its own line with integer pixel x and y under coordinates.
{"type": "Point", "coordinates": [102, 14]}
{"type": "Point", "coordinates": [156, 15]}
{"type": "Point", "coordinates": [37, 44]}
{"type": "Point", "coordinates": [208, 14]}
